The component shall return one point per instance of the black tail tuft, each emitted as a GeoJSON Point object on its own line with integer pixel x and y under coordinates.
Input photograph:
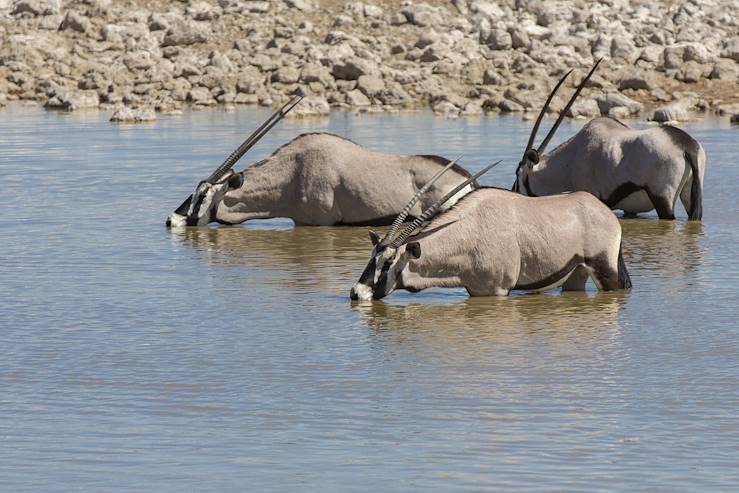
{"type": "Point", "coordinates": [624, 281]}
{"type": "Point", "coordinates": [696, 191]}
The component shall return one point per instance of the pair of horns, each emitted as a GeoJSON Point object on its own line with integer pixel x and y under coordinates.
{"type": "Point", "coordinates": [530, 152]}
{"type": "Point", "coordinates": [255, 137]}
{"type": "Point", "coordinates": [429, 213]}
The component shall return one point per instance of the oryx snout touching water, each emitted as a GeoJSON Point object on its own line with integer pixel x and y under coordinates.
{"type": "Point", "coordinates": [319, 179]}
{"type": "Point", "coordinates": [494, 241]}
{"type": "Point", "coordinates": [631, 170]}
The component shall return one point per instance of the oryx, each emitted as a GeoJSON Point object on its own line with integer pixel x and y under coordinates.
{"type": "Point", "coordinates": [317, 179]}
{"type": "Point", "coordinates": [493, 241]}
{"type": "Point", "coordinates": [631, 170]}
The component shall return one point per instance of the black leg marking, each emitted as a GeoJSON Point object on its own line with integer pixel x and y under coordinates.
{"type": "Point", "coordinates": [663, 206]}
{"type": "Point", "coordinates": [621, 192]}
{"type": "Point", "coordinates": [604, 273]}
{"type": "Point", "coordinates": [552, 279]}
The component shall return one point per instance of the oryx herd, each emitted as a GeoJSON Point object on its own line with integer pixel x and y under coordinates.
{"type": "Point", "coordinates": [554, 228]}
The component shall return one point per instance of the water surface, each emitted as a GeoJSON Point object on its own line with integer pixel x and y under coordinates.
{"type": "Point", "coordinates": [230, 359]}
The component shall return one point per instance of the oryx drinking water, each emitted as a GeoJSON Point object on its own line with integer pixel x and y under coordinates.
{"type": "Point", "coordinates": [631, 170]}
{"type": "Point", "coordinates": [493, 241]}
{"type": "Point", "coordinates": [317, 179]}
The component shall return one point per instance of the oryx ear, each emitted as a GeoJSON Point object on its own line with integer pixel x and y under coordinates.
{"type": "Point", "coordinates": [235, 181]}
{"type": "Point", "coordinates": [532, 158]}
{"type": "Point", "coordinates": [413, 249]}
{"type": "Point", "coordinates": [374, 237]}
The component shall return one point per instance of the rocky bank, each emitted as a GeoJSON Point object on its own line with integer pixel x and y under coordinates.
{"type": "Point", "coordinates": [663, 59]}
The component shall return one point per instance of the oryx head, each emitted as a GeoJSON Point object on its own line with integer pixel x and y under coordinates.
{"type": "Point", "coordinates": [391, 254]}
{"type": "Point", "coordinates": [532, 156]}
{"type": "Point", "coordinates": [199, 208]}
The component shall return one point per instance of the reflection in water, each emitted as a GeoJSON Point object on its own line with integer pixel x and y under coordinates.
{"type": "Point", "coordinates": [330, 257]}
{"type": "Point", "coordinates": [491, 321]}
{"type": "Point", "coordinates": [665, 248]}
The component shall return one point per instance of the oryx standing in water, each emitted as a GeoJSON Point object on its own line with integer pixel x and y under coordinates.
{"type": "Point", "coordinates": [317, 179]}
{"type": "Point", "coordinates": [632, 170]}
{"type": "Point", "coordinates": [493, 241]}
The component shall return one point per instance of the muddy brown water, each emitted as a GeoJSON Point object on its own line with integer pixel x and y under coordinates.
{"type": "Point", "coordinates": [230, 359]}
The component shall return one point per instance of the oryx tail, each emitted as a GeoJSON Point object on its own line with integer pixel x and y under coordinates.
{"type": "Point", "coordinates": [696, 189]}
{"type": "Point", "coordinates": [624, 280]}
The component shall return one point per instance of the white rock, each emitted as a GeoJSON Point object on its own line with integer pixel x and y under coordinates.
{"type": "Point", "coordinates": [670, 113]}
{"type": "Point", "coordinates": [311, 106]}
{"type": "Point", "coordinates": [614, 100]}
{"type": "Point", "coordinates": [130, 115]}
{"type": "Point", "coordinates": [37, 7]}
{"type": "Point", "coordinates": [74, 100]}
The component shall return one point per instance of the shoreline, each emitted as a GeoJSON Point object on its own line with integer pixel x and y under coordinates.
{"type": "Point", "coordinates": [456, 58]}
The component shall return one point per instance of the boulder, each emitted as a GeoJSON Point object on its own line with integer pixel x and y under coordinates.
{"type": "Point", "coordinates": [286, 75]}
{"type": "Point", "coordinates": [670, 113]}
{"type": "Point", "coordinates": [519, 37]}
{"type": "Point", "coordinates": [37, 7]}
{"type": "Point", "coordinates": [74, 22]}
{"type": "Point", "coordinates": [623, 48]}
{"type": "Point", "coordinates": [423, 15]}
{"type": "Point", "coordinates": [356, 98]}
{"type": "Point", "coordinates": [302, 5]}
{"type": "Point", "coordinates": [203, 11]}
{"type": "Point", "coordinates": [74, 100]}
{"type": "Point", "coordinates": [491, 78]}
{"type": "Point", "coordinates": [499, 39]}
{"type": "Point", "coordinates": [508, 106]}
{"type": "Point", "coordinates": [353, 68]}
{"type": "Point", "coordinates": [638, 81]}
{"type": "Point", "coordinates": [313, 72]}
{"type": "Point", "coordinates": [370, 85]}
{"type": "Point", "coordinates": [185, 33]}
{"type": "Point", "coordinates": [311, 106]}
{"type": "Point", "coordinates": [584, 108]}
{"type": "Point", "coordinates": [200, 96]}
{"type": "Point", "coordinates": [130, 115]}
{"type": "Point", "coordinates": [619, 112]}
{"type": "Point", "coordinates": [692, 72]}
{"type": "Point", "coordinates": [614, 100]}
{"type": "Point", "coordinates": [731, 49]}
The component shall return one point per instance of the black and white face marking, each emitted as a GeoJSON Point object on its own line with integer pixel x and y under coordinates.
{"type": "Point", "coordinates": [383, 271]}
{"type": "Point", "coordinates": [201, 210]}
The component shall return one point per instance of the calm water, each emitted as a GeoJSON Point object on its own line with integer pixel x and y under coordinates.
{"type": "Point", "coordinates": [230, 359]}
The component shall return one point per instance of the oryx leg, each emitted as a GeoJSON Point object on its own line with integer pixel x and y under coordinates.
{"type": "Point", "coordinates": [604, 271]}
{"type": "Point", "coordinates": [577, 280]}
{"type": "Point", "coordinates": [664, 203]}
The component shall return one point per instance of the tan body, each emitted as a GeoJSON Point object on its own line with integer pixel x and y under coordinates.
{"type": "Point", "coordinates": [495, 241]}
{"type": "Point", "coordinates": [323, 180]}
{"type": "Point", "coordinates": [631, 170]}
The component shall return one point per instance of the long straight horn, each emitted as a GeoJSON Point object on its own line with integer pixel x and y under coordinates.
{"type": "Point", "coordinates": [544, 109]}
{"type": "Point", "coordinates": [407, 209]}
{"type": "Point", "coordinates": [429, 213]}
{"type": "Point", "coordinates": [253, 139]}
{"type": "Point", "coordinates": [562, 114]}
